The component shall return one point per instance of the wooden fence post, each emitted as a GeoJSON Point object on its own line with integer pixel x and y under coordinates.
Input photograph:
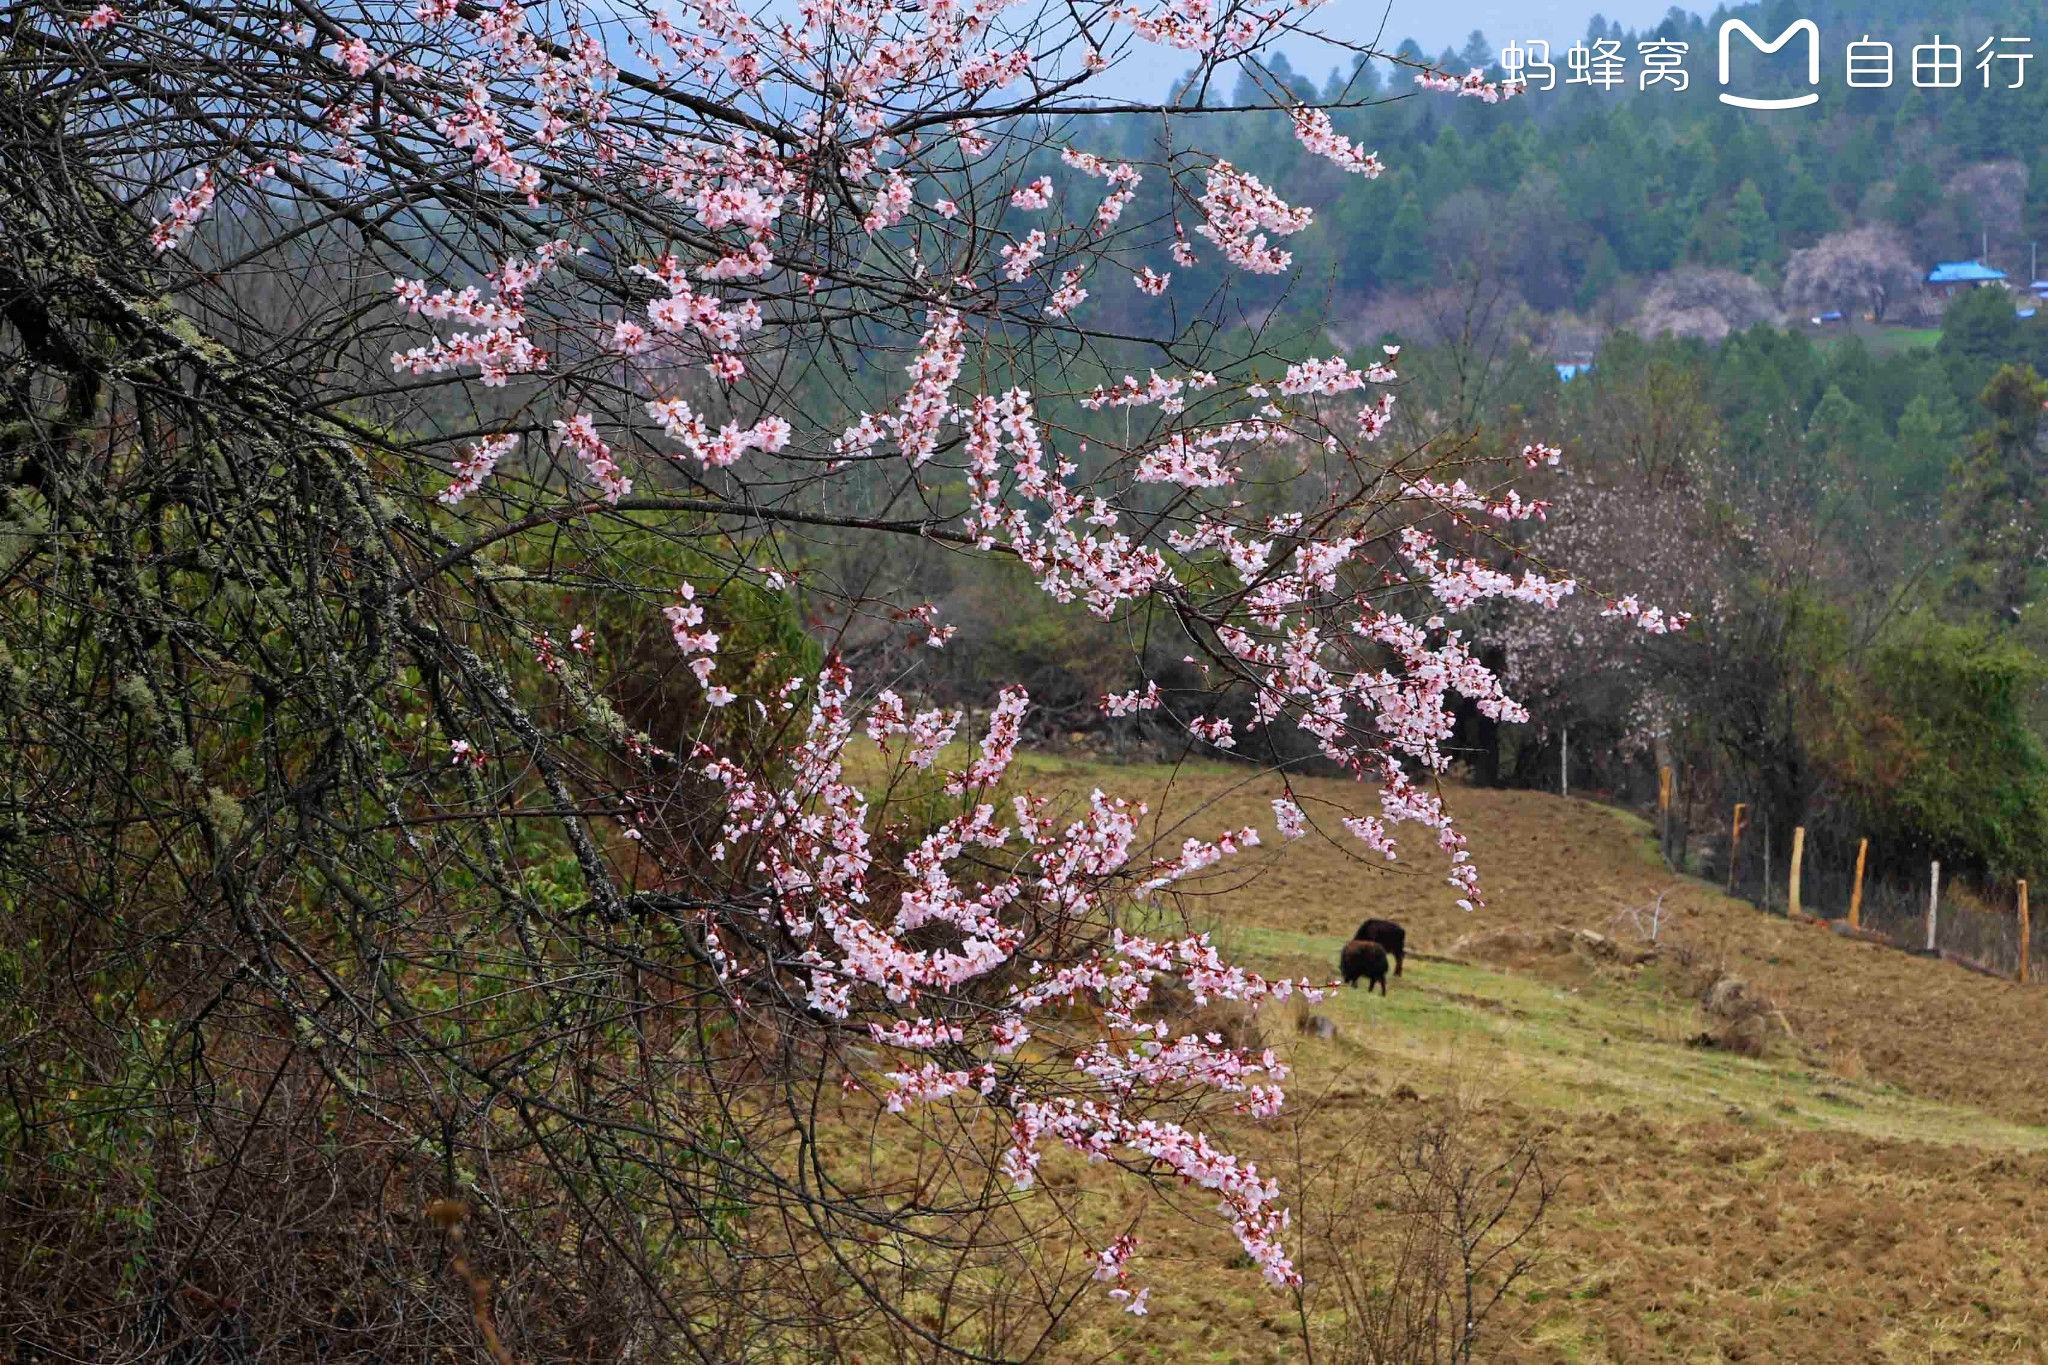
{"type": "Point", "coordinates": [1933, 900]}
{"type": "Point", "coordinates": [1792, 882]}
{"type": "Point", "coordinates": [1856, 896]}
{"type": "Point", "coordinates": [2026, 932]}
{"type": "Point", "coordinates": [1735, 841]}
{"type": "Point", "coordinates": [1664, 811]}
{"type": "Point", "coordinates": [1564, 761]}
{"type": "Point", "coordinates": [1767, 860]}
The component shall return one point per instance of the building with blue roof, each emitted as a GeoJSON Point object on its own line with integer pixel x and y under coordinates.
{"type": "Point", "coordinates": [1949, 276]}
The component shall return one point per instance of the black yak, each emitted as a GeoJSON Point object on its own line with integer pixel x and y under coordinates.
{"type": "Point", "coordinates": [1367, 959]}
{"type": "Point", "coordinates": [1388, 935]}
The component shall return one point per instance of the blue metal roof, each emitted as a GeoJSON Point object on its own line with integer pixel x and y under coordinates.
{"type": "Point", "coordinates": [1963, 272]}
{"type": "Point", "coordinates": [1568, 372]}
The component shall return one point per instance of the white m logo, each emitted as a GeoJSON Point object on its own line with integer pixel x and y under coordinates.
{"type": "Point", "coordinates": [1812, 62]}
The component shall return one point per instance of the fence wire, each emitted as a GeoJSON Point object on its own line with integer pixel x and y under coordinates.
{"type": "Point", "coordinates": [1975, 921]}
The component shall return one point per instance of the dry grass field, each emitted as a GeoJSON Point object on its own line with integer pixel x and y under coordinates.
{"type": "Point", "coordinates": [1855, 1168]}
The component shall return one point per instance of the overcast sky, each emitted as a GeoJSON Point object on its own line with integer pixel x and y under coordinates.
{"type": "Point", "coordinates": [1434, 25]}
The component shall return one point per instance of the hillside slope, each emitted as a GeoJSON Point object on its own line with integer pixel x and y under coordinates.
{"type": "Point", "coordinates": [1867, 1189]}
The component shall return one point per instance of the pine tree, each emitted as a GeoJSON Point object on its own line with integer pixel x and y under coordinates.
{"type": "Point", "coordinates": [1807, 212]}
{"type": "Point", "coordinates": [1928, 431]}
{"type": "Point", "coordinates": [1979, 332]}
{"type": "Point", "coordinates": [1756, 236]}
{"type": "Point", "coordinates": [1993, 501]}
{"type": "Point", "coordinates": [1404, 257]}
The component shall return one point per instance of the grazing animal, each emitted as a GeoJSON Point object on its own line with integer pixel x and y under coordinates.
{"type": "Point", "coordinates": [1367, 959]}
{"type": "Point", "coordinates": [1388, 935]}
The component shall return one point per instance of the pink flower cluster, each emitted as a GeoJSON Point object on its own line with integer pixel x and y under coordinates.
{"type": "Point", "coordinates": [579, 435]}
{"type": "Point", "coordinates": [1288, 818]}
{"type": "Point", "coordinates": [808, 837]}
{"type": "Point", "coordinates": [501, 349]}
{"type": "Point", "coordinates": [183, 213]}
{"type": "Point", "coordinates": [700, 321]}
{"type": "Point", "coordinates": [1133, 702]}
{"type": "Point", "coordinates": [1651, 619]}
{"type": "Point", "coordinates": [1190, 26]}
{"type": "Point", "coordinates": [716, 450]}
{"type": "Point", "coordinates": [919, 418]}
{"type": "Point", "coordinates": [356, 56]}
{"type": "Point", "coordinates": [1472, 85]}
{"type": "Point", "coordinates": [1166, 393]}
{"type": "Point", "coordinates": [1036, 195]}
{"type": "Point", "coordinates": [1123, 181]}
{"type": "Point", "coordinates": [1067, 297]}
{"type": "Point", "coordinates": [1313, 129]}
{"type": "Point", "coordinates": [1112, 1264]}
{"type": "Point", "coordinates": [476, 466]}
{"type": "Point", "coordinates": [1457, 496]}
{"type": "Point", "coordinates": [1019, 257]}
{"type": "Point", "coordinates": [1247, 1199]}
{"type": "Point", "coordinates": [700, 646]}
{"type": "Point", "coordinates": [928, 731]}
{"type": "Point", "coordinates": [1239, 210]}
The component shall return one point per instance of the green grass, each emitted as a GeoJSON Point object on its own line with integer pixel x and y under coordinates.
{"type": "Point", "coordinates": [1614, 1043]}
{"type": "Point", "coordinates": [1892, 340]}
{"type": "Point", "coordinates": [1885, 341]}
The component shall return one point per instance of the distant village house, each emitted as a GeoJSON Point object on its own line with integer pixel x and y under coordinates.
{"type": "Point", "coordinates": [1948, 278]}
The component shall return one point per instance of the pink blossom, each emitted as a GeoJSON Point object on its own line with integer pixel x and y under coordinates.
{"type": "Point", "coordinates": [355, 54]}
{"type": "Point", "coordinates": [724, 447]}
{"type": "Point", "coordinates": [891, 202]}
{"type": "Point", "coordinates": [1130, 703]}
{"type": "Point", "coordinates": [183, 213]}
{"type": "Point", "coordinates": [1185, 24]}
{"type": "Point", "coordinates": [579, 435]}
{"type": "Point", "coordinates": [998, 746]}
{"type": "Point", "coordinates": [1035, 195]}
{"type": "Point", "coordinates": [917, 422]}
{"type": "Point", "coordinates": [1288, 819]}
{"type": "Point", "coordinates": [1473, 85]}
{"type": "Point", "coordinates": [1067, 297]}
{"type": "Point", "coordinates": [885, 717]}
{"type": "Point", "coordinates": [1020, 257]}
{"type": "Point", "coordinates": [1312, 128]}
{"type": "Point", "coordinates": [1239, 211]}
{"type": "Point", "coordinates": [476, 466]}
